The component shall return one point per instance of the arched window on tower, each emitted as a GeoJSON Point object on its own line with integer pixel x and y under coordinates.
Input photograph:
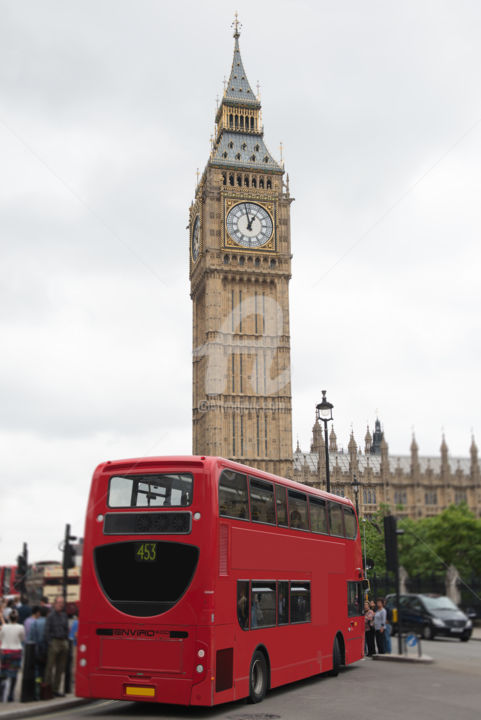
{"type": "Point", "coordinates": [246, 180]}
{"type": "Point", "coordinates": [231, 179]}
{"type": "Point", "coordinates": [224, 178]}
{"type": "Point", "coordinates": [252, 123]}
{"type": "Point", "coordinates": [239, 180]}
{"type": "Point", "coordinates": [261, 183]}
{"type": "Point", "coordinates": [241, 122]}
{"type": "Point", "coordinates": [269, 184]}
{"type": "Point", "coordinates": [236, 121]}
{"type": "Point", "coordinates": [231, 120]}
{"type": "Point", "coordinates": [254, 182]}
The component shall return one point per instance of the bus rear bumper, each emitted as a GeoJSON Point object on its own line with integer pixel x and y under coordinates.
{"type": "Point", "coordinates": [175, 691]}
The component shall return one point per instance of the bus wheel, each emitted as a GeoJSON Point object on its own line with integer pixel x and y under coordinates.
{"type": "Point", "coordinates": [257, 677]}
{"type": "Point", "coordinates": [336, 659]}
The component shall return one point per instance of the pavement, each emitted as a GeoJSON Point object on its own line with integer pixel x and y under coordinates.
{"type": "Point", "coordinates": [14, 710]}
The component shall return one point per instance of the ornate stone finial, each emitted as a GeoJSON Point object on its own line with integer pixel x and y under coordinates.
{"type": "Point", "coordinates": [216, 102]}
{"type": "Point", "coordinates": [258, 90]}
{"type": "Point", "coordinates": [281, 149]}
{"type": "Point", "coordinates": [197, 174]}
{"type": "Point", "coordinates": [225, 84]}
{"type": "Point", "coordinates": [236, 25]}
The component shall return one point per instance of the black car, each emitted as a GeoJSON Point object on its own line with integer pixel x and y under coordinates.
{"type": "Point", "coordinates": [430, 615]}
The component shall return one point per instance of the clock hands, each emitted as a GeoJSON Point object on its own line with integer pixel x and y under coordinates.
{"type": "Point", "coordinates": [249, 222]}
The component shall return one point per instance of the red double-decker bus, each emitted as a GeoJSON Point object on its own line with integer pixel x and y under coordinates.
{"type": "Point", "coordinates": [205, 581]}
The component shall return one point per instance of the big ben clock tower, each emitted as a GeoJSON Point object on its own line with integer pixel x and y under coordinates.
{"type": "Point", "coordinates": [240, 266]}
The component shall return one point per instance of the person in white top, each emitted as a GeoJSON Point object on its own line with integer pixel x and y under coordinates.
{"type": "Point", "coordinates": [12, 637]}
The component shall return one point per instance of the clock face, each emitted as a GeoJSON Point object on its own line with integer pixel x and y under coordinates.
{"type": "Point", "coordinates": [196, 239]}
{"type": "Point", "coordinates": [249, 224]}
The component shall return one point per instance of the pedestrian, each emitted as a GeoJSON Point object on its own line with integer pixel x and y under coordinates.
{"type": "Point", "coordinates": [36, 634]}
{"type": "Point", "coordinates": [24, 610]}
{"type": "Point", "coordinates": [387, 631]}
{"type": "Point", "coordinates": [380, 626]}
{"type": "Point", "coordinates": [8, 609]}
{"type": "Point", "coordinates": [56, 635]}
{"type": "Point", "coordinates": [28, 622]}
{"type": "Point", "coordinates": [370, 647]}
{"type": "Point", "coordinates": [72, 636]}
{"type": "Point", "coordinates": [12, 636]}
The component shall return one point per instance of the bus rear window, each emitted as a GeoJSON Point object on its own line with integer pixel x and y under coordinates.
{"type": "Point", "coordinates": [233, 501]}
{"type": "Point", "coordinates": [153, 490]}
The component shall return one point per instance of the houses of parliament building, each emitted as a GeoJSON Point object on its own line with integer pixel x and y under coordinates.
{"type": "Point", "coordinates": [240, 268]}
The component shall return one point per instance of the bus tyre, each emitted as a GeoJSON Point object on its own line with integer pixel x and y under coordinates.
{"type": "Point", "coordinates": [257, 677]}
{"type": "Point", "coordinates": [336, 659]}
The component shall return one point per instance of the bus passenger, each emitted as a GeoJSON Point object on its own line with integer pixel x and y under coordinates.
{"type": "Point", "coordinates": [257, 614]}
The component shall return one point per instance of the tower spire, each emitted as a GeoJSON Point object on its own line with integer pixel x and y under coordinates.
{"type": "Point", "coordinates": [236, 25]}
{"type": "Point", "coordinates": [239, 141]}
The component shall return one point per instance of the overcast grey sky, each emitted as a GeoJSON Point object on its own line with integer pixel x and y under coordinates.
{"type": "Point", "coordinates": [106, 109]}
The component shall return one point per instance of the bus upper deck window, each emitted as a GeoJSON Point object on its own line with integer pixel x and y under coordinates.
{"type": "Point", "coordinates": [233, 499]}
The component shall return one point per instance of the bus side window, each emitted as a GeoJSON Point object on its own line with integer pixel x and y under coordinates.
{"type": "Point", "coordinates": [318, 512]}
{"type": "Point", "coordinates": [262, 501]}
{"type": "Point", "coordinates": [281, 504]}
{"type": "Point", "coordinates": [298, 510]}
{"type": "Point", "coordinates": [336, 525]}
{"type": "Point", "coordinates": [233, 500]}
{"type": "Point", "coordinates": [300, 602]}
{"type": "Point", "coordinates": [243, 603]}
{"type": "Point", "coordinates": [283, 603]}
{"type": "Point", "coordinates": [263, 604]}
{"type": "Point", "coordinates": [350, 524]}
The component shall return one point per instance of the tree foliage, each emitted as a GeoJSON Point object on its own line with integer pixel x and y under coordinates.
{"type": "Point", "coordinates": [428, 545]}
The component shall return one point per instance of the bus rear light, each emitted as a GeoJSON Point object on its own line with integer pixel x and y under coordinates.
{"type": "Point", "coordinates": [201, 653]}
{"type": "Point", "coordinates": [100, 518]}
{"type": "Point", "coordinates": [83, 662]}
{"type": "Point", "coordinates": [200, 668]}
{"type": "Point", "coordinates": [197, 516]}
{"type": "Point", "coordinates": [83, 648]}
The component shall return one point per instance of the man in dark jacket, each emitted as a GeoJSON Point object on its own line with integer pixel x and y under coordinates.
{"type": "Point", "coordinates": [56, 635]}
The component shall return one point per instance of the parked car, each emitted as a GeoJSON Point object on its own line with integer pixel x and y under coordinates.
{"type": "Point", "coordinates": [431, 615]}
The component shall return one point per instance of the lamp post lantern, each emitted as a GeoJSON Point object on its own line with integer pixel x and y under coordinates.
{"type": "Point", "coordinates": [324, 413]}
{"type": "Point", "coordinates": [355, 485]}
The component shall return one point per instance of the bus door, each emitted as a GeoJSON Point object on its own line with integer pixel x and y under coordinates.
{"type": "Point", "coordinates": [355, 621]}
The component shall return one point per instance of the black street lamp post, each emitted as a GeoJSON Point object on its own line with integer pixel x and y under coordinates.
{"type": "Point", "coordinates": [355, 485]}
{"type": "Point", "coordinates": [324, 413]}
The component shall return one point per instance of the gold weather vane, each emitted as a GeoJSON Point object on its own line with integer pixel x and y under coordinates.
{"type": "Point", "coordinates": [236, 25]}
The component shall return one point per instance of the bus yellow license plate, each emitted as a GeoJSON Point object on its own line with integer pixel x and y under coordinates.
{"type": "Point", "coordinates": [139, 691]}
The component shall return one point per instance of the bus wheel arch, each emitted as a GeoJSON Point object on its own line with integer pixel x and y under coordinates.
{"type": "Point", "coordinates": [338, 654]}
{"type": "Point", "coordinates": [259, 674]}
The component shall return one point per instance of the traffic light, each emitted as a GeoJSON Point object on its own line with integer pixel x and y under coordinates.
{"type": "Point", "coordinates": [21, 571]}
{"type": "Point", "coordinates": [390, 542]}
{"type": "Point", "coordinates": [69, 552]}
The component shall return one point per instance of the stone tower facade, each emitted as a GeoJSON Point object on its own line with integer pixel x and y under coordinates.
{"type": "Point", "coordinates": [240, 267]}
